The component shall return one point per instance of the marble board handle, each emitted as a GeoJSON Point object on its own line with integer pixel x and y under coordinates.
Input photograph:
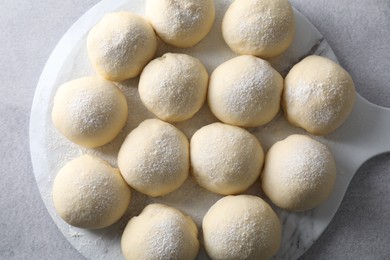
{"type": "Point", "coordinates": [366, 133]}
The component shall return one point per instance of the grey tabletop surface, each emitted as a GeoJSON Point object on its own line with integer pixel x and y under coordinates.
{"type": "Point", "coordinates": [358, 32]}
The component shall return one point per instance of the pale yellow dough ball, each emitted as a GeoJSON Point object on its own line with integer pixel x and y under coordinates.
{"type": "Point", "coordinates": [154, 158]}
{"type": "Point", "coordinates": [181, 23]}
{"type": "Point", "coordinates": [89, 111]}
{"type": "Point", "coordinates": [120, 45]}
{"type": "Point", "coordinates": [160, 232]}
{"type": "Point", "coordinates": [299, 173]}
{"type": "Point", "coordinates": [225, 159]}
{"type": "Point", "coordinates": [263, 28]}
{"type": "Point", "coordinates": [318, 95]}
{"type": "Point", "coordinates": [245, 91]}
{"type": "Point", "coordinates": [89, 193]}
{"type": "Point", "coordinates": [241, 227]}
{"type": "Point", "coordinates": [174, 86]}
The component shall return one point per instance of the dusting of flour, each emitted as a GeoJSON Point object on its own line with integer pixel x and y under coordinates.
{"type": "Point", "coordinates": [190, 197]}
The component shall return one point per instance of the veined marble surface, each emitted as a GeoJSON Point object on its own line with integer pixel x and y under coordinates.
{"type": "Point", "coordinates": [50, 150]}
{"type": "Point", "coordinates": [360, 38]}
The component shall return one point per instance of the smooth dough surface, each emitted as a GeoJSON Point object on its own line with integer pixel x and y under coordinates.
{"type": "Point", "coordinates": [89, 193]}
{"type": "Point", "coordinates": [174, 86]}
{"type": "Point", "coordinates": [160, 232]}
{"type": "Point", "coordinates": [299, 173]}
{"type": "Point", "coordinates": [245, 91]}
{"type": "Point", "coordinates": [225, 159]}
{"type": "Point", "coordinates": [120, 45]}
{"type": "Point", "coordinates": [263, 28]}
{"type": "Point", "coordinates": [241, 227]}
{"type": "Point", "coordinates": [318, 95]}
{"type": "Point", "coordinates": [181, 23]}
{"type": "Point", "coordinates": [154, 158]}
{"type": "Point", "coordinates": [89, 111]}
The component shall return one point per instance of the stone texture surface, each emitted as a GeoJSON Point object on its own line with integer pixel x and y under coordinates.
{"type": "Point", "coordinates": [359, 34]}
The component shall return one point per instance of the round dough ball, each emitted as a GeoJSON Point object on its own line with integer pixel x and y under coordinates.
{"type": "Point", "coordinates": [160, 232]}
{"type": "Point", "coordinates": [89, 193]}
{"type": "Point", "coordinates": [154, 158]}
{"type": "Point", "coordinates": [181, 23]}
{"type": "Point", "coordinates": [263, 28]}
{"type": "Point", "coordinates": [120, 45]}
{"type": "Point", "coordinates": [225, 159]}
{"type": "Point", "coordinates": [245, 91]}
{"type": "Point", "coordinates": [174, 87]}
{"type": "Point", "coordinates": [241, 227]}
{"type": "Point", "coordinates": [89, 111]}
{"type": "Point", "coordinates": [318, 95]}
{"type": "Point", "coordinates": [299, 173]}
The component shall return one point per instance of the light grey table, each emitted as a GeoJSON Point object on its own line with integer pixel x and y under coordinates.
{"type": "Point", "coordinates": [359, 33]}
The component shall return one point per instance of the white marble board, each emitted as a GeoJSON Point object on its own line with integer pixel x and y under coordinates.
{"type": "Point", "coordinates": [352, 144]}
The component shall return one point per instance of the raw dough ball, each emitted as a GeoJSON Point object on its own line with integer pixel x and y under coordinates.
{"type": "Point", "coordinates": [160, 232]}
{"type": "Point", "coordinates": [263, 28]}
{"type": "Point", "coordinates": [245, 91]}
{"type": "Point", "coordinates": [89, 193]}
{"type": "Point", "coordinates": [299, 173]}
{"type": "Point", "coordinates": [89, 111]}
{"type": "Point", "coordinates": [181, 23]}
{"type": "Point", "coordinates": [319, 95]}
{"type": "Point", "coordinates": [174, 87]}
{"type": "Point", "coordinates": [120, 45]}
{"type": "Point", "coordinates": [241, 227]}
{"type": "Point", "coordinates": [154, 158]}
{"type": "Point", "coordinates": [225, 159]}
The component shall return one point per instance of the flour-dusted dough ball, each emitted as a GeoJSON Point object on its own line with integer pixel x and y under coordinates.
{"type": "Point", "coordinates": [299, 173]}
{"type": "Point", "coordinates": [120, 45]}
{"type": "Point", "coordinates": [89, 111]}
{"type": "Point", "coordinates": [160, 232]}
{"type": "Point", "coordinates": [241, 227]}
{"type": "Point", "coordinates": [225, 159]}
{"type": "Point", "coordinates": [181, 23]}
{"type": "Point", "coordinates": [154, 158]}
{"type": "Point", "coordinates": [89, 193]}
{"type": "Point", "coordinates": [318, 95]}
{"type": "Point", "coordinates": [174, 86]}
{"type": "Point", "coordinates": [263, 28]}
{"type": "Point", "coordinates": [245, 91]}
